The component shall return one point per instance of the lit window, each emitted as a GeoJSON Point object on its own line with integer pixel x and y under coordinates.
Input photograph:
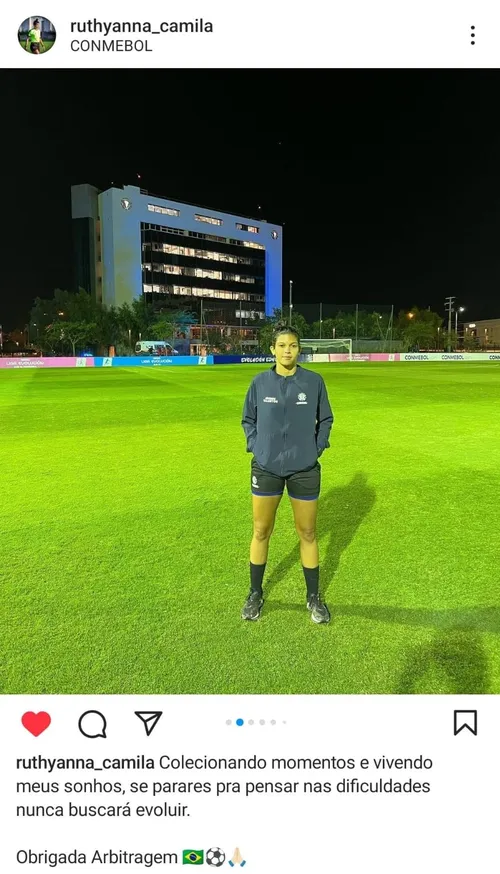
{"type": "Point", "coordinates": [170, 249]}
{"type": "Point", "coordinates": [252, 314]}
{"type": "Point", "coordinates": [205, 292]}
{"type": "Point", "coordinates": [210, 220]}
{"type": "Point", "coordinates": [250, 228]}
{"type": "Point", "coordinates": [235, 277]}
{"type": "Point", "coordinates": [207, 274]}
{"type": "Point", "coordinates": [164, 210]}
{"type": "Point", "coordinates": [227, 240]}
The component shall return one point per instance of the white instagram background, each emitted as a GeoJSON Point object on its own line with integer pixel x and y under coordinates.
{"type": "Point", "coordinates": [358, 33]}
{"type": "Point", "coordinates": [452, 828]}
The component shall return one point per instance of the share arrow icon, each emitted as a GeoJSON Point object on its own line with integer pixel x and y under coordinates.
{"type": "Point", "coordinates": [149, 718]}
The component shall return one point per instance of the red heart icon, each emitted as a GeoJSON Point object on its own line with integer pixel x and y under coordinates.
{"type": "Point", "coordinates": [36, 722]}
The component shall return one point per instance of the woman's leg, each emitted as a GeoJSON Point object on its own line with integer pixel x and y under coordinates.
{"type": "Point", "coordinates": [264, 515]}
{"type": "Point", "coordinates": [305, 515]}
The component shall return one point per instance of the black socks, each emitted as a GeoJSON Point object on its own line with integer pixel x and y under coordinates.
{"type": "Point", "coordinates": [311, 575]}
{"type": "Point", "coordinates": [256, 577]}
{"type": "Point", "coordinates": [312, 580]}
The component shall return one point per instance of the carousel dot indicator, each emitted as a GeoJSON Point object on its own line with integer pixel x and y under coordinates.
{"type": "Point", "coordinates": [239, 722]}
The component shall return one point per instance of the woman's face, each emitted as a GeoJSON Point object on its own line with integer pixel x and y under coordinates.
{"type": "Point", "coordinates": [286, 349]}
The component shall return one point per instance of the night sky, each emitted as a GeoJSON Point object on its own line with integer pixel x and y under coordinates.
{"type": "Point", "coordinates": [387, 182]}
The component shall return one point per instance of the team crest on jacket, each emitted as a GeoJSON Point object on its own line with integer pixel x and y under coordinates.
{"type": "Point", "coordinates": [302, 398]}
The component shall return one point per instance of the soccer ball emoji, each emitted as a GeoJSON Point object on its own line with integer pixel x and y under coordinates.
{"type": "Point", "coordinates": [215, 857]}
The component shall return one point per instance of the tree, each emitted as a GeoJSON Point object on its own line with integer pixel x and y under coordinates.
{"type": "Point", "coordinates": [327, 328]}
{"type": "Point", "coordinates": [73, 333]}
{"type": "Point", "coordinates": [47, 342]}
{"type": "Point", "coordinates": [265, 333]}
{"type": "Point", "coordinates": [213, 341]}
{"type": "Point", "coordinates": [171, 321]}
{"type": "Point", "coordinates": [345, 325]}
{"type": "Point", "coordinates": [449, 339]}
{"type": "Point", "coordinates": [186, 319]}
{"type": "Point", "coordinates": [109, 331]}
{"type": "Point", "coordinates": [471, 343]}
{"type": "Point", "coordinates": [65, 308]}
{"type": "Point", "coordinates": [164, 328]}
{"type": "Point", "coordinates": [417, 328]}
{"type": "Point", "coordinates": [144, 315]}
{"type": "Point", "coordinates": [376, 326]}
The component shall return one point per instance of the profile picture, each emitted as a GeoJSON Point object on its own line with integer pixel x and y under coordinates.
{"type": "Point", "coordinates": [37, 35]}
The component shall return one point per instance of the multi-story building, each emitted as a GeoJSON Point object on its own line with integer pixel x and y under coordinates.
{"type": "Point", "coordinates": [47, 29]}
{"type": "Point", "coordinates": [129, 243]}
{"type": "Point", "coordinates": [486, 331]}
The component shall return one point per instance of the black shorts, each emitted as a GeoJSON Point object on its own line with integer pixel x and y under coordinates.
{"type": "Point", "coordinates": [304, 485]}
{"type": "Point", "coordinates": [34, 46]}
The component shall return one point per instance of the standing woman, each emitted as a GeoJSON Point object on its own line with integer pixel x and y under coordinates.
{"type": "Point", "coordinates": [34, 38]}
{"type": "Point", "coordinates": [287, 420]}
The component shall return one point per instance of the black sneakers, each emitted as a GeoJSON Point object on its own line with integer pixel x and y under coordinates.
{"type": "Point", "coordinates": [319, 611]}
{"type": "Point", "coordinates": [252, 606]}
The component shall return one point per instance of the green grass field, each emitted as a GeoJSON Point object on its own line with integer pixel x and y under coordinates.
{"type": "Point", "coordinates": [47, 43]}
{"type": "Point", "coordinates": [126, 524]}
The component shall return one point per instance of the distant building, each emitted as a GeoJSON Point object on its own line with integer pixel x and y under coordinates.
{"type": "Point", "coordinates": [487, 331]}
{"type": "Point", "coordinates": [128, 242]}
{"type": "Point", "coordinates": [47, 29]}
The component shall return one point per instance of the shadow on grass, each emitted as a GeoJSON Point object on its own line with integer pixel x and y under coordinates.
{"type": "Point", "coordinates": [456, 651]}
{"type": "Point", "coordinates": [470, 619]}
{"type": "Point", "coordinates": [340, 513]}
{"type": "Point", "coordinates": [459, 658]}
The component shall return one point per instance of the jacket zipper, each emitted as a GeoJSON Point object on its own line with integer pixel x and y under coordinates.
{"type": "Point", "coordinates": [284, 433]}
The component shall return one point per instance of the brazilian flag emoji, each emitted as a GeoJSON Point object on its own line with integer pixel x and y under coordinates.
{"type": "Point", "coordinates": [192, 857]}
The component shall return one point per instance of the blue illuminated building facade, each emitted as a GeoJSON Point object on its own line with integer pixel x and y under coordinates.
{"type": "Point", "coordinates": [128, 242]}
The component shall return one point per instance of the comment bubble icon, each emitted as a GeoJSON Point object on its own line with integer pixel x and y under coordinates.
{"type": "Point", "coordinates": [92, 724]}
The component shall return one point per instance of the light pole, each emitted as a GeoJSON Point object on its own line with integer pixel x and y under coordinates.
{"type": "Point", "coordinates": [460, 310]}
{"type": "Point", "coordinates": [290, 304]}
{"type": "Point", "coordinates": [449, 301]}
{"type": "Point", "coordinates": [241, 329]}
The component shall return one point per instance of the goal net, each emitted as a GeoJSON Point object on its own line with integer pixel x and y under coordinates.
{"type": "Point", "coordinates": [328, 345]}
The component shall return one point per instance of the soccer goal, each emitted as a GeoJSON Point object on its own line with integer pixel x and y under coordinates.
{"type": "Point", "coordinates": [327, 344]}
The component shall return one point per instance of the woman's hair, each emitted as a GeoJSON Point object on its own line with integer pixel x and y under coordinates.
{"type": "Point", "coordinates": [283, 328]}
